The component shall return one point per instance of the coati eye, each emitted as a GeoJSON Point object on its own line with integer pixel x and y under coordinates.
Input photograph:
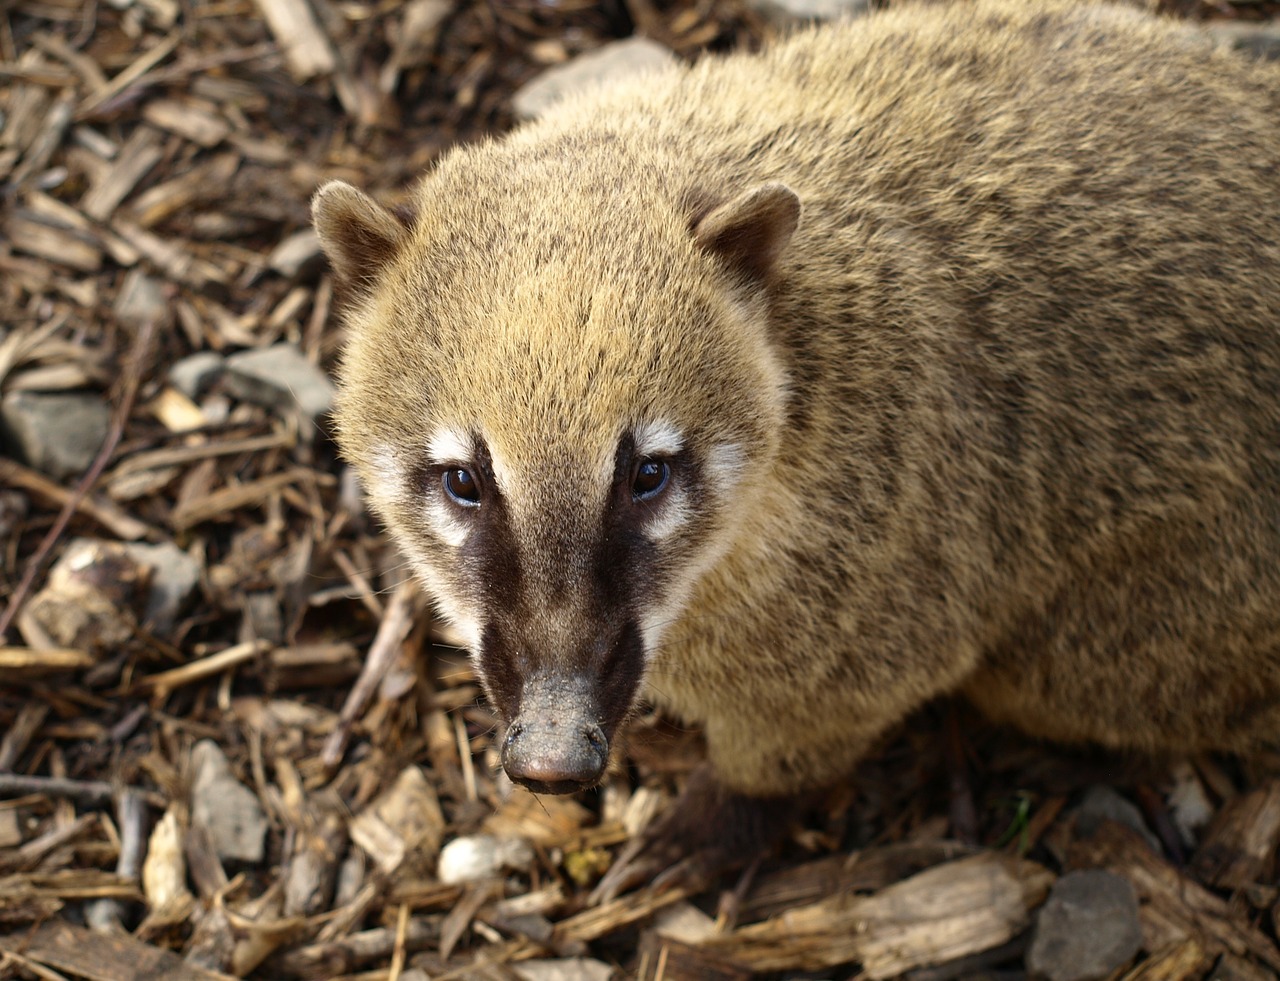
{"type": "Point", "coordinates": [650, 479]}
{"type": "Point", "coordinates": [460, 485]}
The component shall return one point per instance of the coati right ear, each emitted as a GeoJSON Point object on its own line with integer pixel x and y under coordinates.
{"type": "Point", "coordinates": [750, 231]}
{"type": "Point", "coordinates": [357, 234]}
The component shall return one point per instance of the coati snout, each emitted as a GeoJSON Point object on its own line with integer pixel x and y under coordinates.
{"type": "Point", "coordinates": [562, 703]}
{"type": "Point", "coordinates": [555, 745]}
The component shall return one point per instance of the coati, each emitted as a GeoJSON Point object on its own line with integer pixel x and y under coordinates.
{"type": "Point", "coordinates": [934, 352]}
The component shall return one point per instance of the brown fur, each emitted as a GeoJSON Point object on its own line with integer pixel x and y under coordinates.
{"type": "Point", "coordinates": [1008, 398]}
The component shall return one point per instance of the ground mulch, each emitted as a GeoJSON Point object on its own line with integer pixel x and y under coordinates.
{"type": "Point", "coordinates": [156, 162]}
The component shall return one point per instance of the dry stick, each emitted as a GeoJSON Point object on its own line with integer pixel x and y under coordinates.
{"type": "Point", "coordinates": [86, 792]}
{"type": "Point", "coordinates": [131, 818]}
{"type": "Point", "coordinates": [382, 654]}
{"type": "Point", "coordinates": [132, 380]}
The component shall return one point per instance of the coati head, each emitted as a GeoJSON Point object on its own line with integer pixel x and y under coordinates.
{"type": "Point", "coordinates": [562, 403]}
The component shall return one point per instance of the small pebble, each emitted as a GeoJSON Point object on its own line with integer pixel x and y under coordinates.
{"type": "Point", "coordinates": [481, 857]}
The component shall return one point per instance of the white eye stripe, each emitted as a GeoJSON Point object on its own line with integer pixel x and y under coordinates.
{"type": "Point", "coordinates": [450, 446]}
{"type": "Point", "coordinates": [657, 438]}
{"type": "Point", "coordinates": [673, 514]}
{"type": "Point", "coordinates": [446, 524]}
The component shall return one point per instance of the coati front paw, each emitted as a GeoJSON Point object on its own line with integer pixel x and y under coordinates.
{"type": "Point", "coordinates": [706, 831]}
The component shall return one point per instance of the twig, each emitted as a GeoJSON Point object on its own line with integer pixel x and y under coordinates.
{"type": "Point", "coordinates": [86, 792]}
{"type": "Point", "coordinates": [132, 380]}
{"type": "Point", "coordinates": [31, 854]}
{"type": "Point", "coordinates": [166, 681]}
{"type": "Point", "coordinates": [382, 654]}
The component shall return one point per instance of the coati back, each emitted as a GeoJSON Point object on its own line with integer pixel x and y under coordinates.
{"type": "Point", "coordinates": [937, 351]}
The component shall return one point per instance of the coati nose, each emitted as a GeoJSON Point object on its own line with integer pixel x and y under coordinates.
{"type": "Point", "coordinates": [554, 745]}
{"type": "Point", "coordinates": [554, 758]}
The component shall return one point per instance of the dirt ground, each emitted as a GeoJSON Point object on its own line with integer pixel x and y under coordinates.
{"type": "Point", "coordinates": [260, 757]}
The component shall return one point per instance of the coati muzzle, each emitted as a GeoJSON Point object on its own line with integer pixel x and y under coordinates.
{"type": "Point", "coordinates": [555, 745]}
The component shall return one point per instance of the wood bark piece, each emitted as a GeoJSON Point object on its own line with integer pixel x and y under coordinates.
{"type": "Point", "coordinates": [187, 120]}
{"type": "Point", "coordinates": [405, 819]}
{"type": "Point", "coordinates": [306, 48]}
{"type": "Point", "coordinates": [1239, 848]}
{"type": "Point", "coordinates": [938, 915]}
{"type": "Point", "coordinates": [54, 244]}
{"type": "Point", "coordinates": [664, 959]}
{"type": "Point", "coordinates": [100, 957]}
{"type": "Point", "coordinates": [1180, 962]}
{"type": "Point", "coordinates": [861, 871]}
{"type": "Point", "coordinates": [139, 154]}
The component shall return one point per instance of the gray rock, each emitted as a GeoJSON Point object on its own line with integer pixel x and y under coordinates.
{"type": "Point", "coordinates": [174, 577]}
{"type": "Point", "coordinates": [1102, 803]}
{"type": "Point", "coordinates": [193, 373]}
{"type": "Point", "coordinates": [58, 433]}
{"type": "Point", "coordinates": [295, 252]}
{"type": "Point", "coordinates": [608, 63]}
{"type": "Point", "coordinates": [141, 299]}
{"type": "Point", "coordinates": [1261, 40]}
{"type": "Point", "coordinates": [1087, 929]}
{"type": "Point", "coordinates": [784, 13]}
{"type": "Point", "coordinates": [279, 377]}
{"type": "Point", "coordinates": [227, 808]}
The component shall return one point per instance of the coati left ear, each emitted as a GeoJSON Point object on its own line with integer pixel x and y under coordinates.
{"type": "Point", "coordinates": [750, 231]}
{"type": "Point", "coordinates": [357, 234]}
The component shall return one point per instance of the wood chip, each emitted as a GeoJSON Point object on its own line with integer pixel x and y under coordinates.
{"type": "Point", "coordinates": [100, 957]}
{"type": "Point", "coordinates": [1239, 848]}
{"type": "Point", "coordinates": [941, 914]}
{"type": "Point", "coordinates": [139, 154]}
{"type": "Point", "coordinates": [306, 47]}
{"type": "Point", "coordinates": [196, 123]}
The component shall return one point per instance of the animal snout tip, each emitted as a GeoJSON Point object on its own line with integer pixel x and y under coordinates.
{"type": "Point", "coordinates": [555, 758]}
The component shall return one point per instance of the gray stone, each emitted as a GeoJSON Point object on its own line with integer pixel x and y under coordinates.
{"type": "Point", "coordinates": [787, 12]}
{"type": "Point", "coordinates": [1087, 929]}
{"type": "Point", "coordinates": [174, 577]}
{"type": "Point", "coordinates": [58, 433]}
{"type": "Point", "coordinates": [1102, 803]}
{"type": "Point", "coordinates": [1260, 40]}
{"type": "Point", "coordinates": [279, 377]}
{"type": "Point", "coordinates": [608, 63]}
{"type": "Point", "coordinates": [193, 373]}
{"type": "Point", "coordinates": [295, 252]}
{"type": "Point", "coordinates": [141, 299]}
{"type": "Point", "coordinates": [227, 808]}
